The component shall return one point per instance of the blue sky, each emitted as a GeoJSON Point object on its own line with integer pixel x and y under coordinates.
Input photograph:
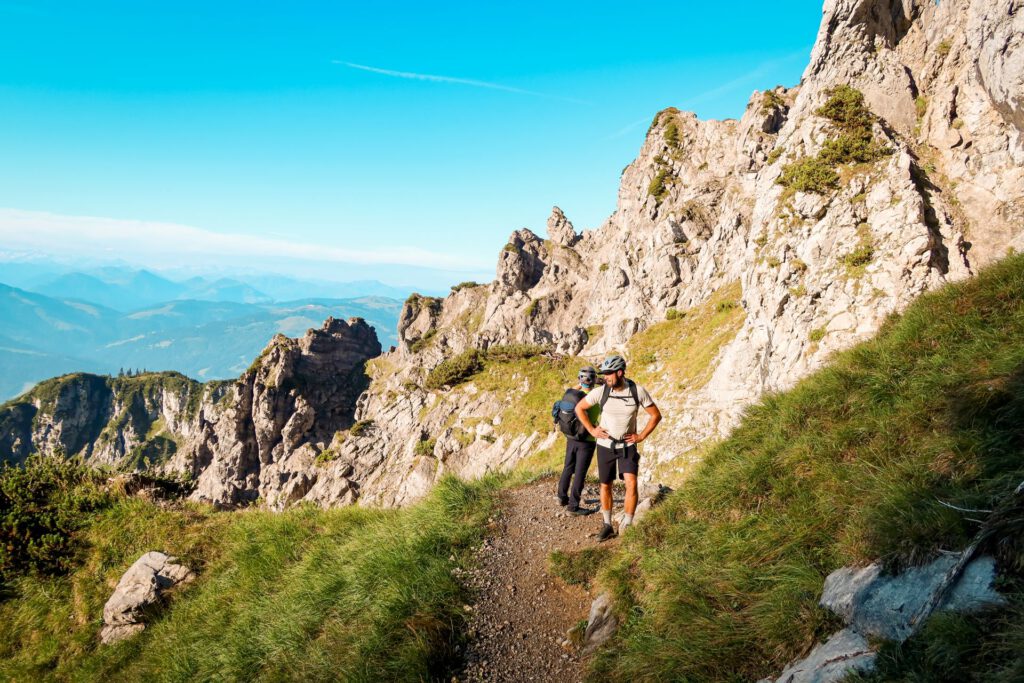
{"type": "Point", "coordinates": [303, 122]}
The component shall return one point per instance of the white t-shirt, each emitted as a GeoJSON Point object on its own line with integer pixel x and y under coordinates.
{"type": "Point", "coordinates": [618, 416]}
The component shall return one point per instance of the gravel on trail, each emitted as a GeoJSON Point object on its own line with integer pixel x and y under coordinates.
{"type": "Point", "coordinates": [519, 623]}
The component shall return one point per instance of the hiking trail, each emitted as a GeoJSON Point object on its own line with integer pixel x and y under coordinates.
{"type": "Point", "coordinates": [522, 613]}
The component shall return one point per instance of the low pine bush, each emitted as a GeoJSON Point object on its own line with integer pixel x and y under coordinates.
{"type": "Point", "coordinates": [42, 504]}
{"type": "Point", "coordinates": [454, 370]}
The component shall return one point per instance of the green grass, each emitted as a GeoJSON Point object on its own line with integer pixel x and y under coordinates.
{"type": "Point", "coordinates": [349, 594]}
{"type": "Point", "coordinates": [721, 581]}
{"type": "Point", "coordinates": [661, 184]}
{"type": "Point", "coordinates": [685, 345]}
{"type": "Point", "coordinates": [578, 567]}
{"type": "Point", "coordinates": [532, 384]}
{"type": "Point", "coordinates": [853, 143]}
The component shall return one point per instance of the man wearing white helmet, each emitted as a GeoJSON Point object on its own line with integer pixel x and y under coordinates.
{"type": "Point", "coordinates": [620, 400]}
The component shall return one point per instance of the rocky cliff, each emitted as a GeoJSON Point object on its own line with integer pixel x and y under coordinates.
{"type": "Point", "coordinates": [741, 253]}
{"type": "Point", "coordinates": [241, 441]}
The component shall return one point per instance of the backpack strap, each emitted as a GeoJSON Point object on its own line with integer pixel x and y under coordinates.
{"type": "Point", "coordinates": [632, 391]}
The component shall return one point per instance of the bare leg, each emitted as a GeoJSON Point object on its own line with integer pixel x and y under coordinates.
{"type": "Point", "coordinates": [606, 496]}
{"type": "Point", "coordinates": [631, 494]}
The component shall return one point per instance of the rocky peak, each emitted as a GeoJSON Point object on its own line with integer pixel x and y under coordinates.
{"type": "Point", "coordinates": [560, 230]}
{"type": "Point", "coordinates": [521, 264]}
{"type": "Point", "coordinates": [294, 398]}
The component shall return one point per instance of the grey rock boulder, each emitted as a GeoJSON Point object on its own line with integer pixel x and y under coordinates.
{"type": "Point", "coordinates": [601, 625]}
{"type": "Point", "coordinates": [887, 606]}
{"type": "Point", "coordinates": [138, 592]}
{"type": "Point", "coordinates": [844, 653]}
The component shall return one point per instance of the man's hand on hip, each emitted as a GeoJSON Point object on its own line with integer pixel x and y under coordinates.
{"type": "Point", "coordinates": [633, 439]}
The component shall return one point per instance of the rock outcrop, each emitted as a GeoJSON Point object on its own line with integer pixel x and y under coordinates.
{"type": "Point", "coordinates": [139, 591]}
{"type": "Point", "coordinates": [255, 438]}
{"type": "Point", "coordinates": [276, 419]}
{"type": "Point", "coordinates": [703, 221]}
{"type": "Point", "coordinates": [877, 606]}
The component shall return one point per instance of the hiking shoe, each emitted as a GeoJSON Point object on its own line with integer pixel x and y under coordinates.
{"type": "Point", "coordinates": [606, 532]}
{"type": "Point", "coordinates": [562, 501]}
{"type": "Point", "coordinates": [580, 512]}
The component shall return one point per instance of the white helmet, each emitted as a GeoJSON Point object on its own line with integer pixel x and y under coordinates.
{"type": "Point", "coordinates": [612, 364]}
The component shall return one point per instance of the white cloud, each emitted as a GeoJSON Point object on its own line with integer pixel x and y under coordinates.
{"type": "Point", "coordinates": [410, 75]}
{"type": "Point", "coordinates": [170, 243]}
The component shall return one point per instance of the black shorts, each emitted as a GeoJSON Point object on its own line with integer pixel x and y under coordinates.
{"type": "Point", "coordinates": [625, 458]}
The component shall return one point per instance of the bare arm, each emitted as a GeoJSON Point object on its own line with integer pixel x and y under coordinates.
{"type": "Point", "coordinates": [655, 414]}
{"type": "Point", "coordinates": [581, 413]}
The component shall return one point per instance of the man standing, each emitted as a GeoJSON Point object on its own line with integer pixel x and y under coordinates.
{"type": "Point", "coordinates": [578, 451]}
{"type": "Point", "coordinates": [620, 400]}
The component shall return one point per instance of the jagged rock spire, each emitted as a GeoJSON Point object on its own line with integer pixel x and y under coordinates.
{"type": "Point", "coordinates": [560, 230]}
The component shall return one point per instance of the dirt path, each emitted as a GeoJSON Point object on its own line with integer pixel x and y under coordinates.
{"type": "Point", "coordinates": [522, 613]}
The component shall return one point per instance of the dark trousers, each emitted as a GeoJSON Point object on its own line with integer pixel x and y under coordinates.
{"type": "Point", "coordinates": [578, 455]}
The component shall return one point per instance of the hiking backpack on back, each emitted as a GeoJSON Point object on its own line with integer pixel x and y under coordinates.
{"type": "Point", "coordinates": [563, 413]}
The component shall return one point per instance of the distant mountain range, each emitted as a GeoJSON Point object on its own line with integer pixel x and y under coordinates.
{"type": "Point", "coordinates": [124, 288]}
{"type": "Point", "coordinates": [207, 329]}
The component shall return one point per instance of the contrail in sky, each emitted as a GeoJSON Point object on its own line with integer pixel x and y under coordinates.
{"type": "Point", "coordinates": [758, 72]}
{"type": "Point", "coordinates": [410, 75]}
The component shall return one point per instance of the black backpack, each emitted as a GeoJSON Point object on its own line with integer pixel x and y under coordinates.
{"type": "Point", "coordinates": [563, 413]}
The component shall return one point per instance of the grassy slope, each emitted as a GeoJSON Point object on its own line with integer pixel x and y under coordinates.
{"type": "Point", "coordinates": [347, 594]}
{"type": "Point", "coordinates": [721, 582]}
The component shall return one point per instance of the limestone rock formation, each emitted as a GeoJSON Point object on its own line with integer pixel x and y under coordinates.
{"type": "Point", "coordinates": [139, 591]}
{"type": "Point", "coordinates": [256, 438]}
{"type": "Point", "coordinates": [703, 221]}
{"type": "Point", "coordinates": [297, 394]}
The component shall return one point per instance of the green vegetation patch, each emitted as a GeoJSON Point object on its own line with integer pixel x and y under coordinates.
{"type": "Point", "coordinates": [771, 100]}
{"type": "Point", "coordinates": [469, 284]}
{"type": "Point", "coordinates": [661, 184]}
{"type": "Point", "coordinates": [42, 504]}
{"type": "Point", "coordinates": [347, 594]}
{"type": "Point", "coordinates": [360, 427]}
{"type": "Point", "coordinates": [455, 370]}
{"type": "Point", "coordinates": [856, 463]}
{"type": "Point", "coordinates": [686, 345]}
{"type": "Point", "coordinates": [857, 260]}
{"type": "Point", "coordinates": [531, 384]}
{"type": "Point", "coordinates": [853, 143]}
{"type": "Point", "coordinates": [424, 341]}
{"type": "Point", "coordinates": [426, 447]}
{"type": "Point", "coordinates": [578, 567]}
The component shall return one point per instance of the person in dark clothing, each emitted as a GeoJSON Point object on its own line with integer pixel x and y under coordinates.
{"type": "Point", "coordinates": [578, 452]}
